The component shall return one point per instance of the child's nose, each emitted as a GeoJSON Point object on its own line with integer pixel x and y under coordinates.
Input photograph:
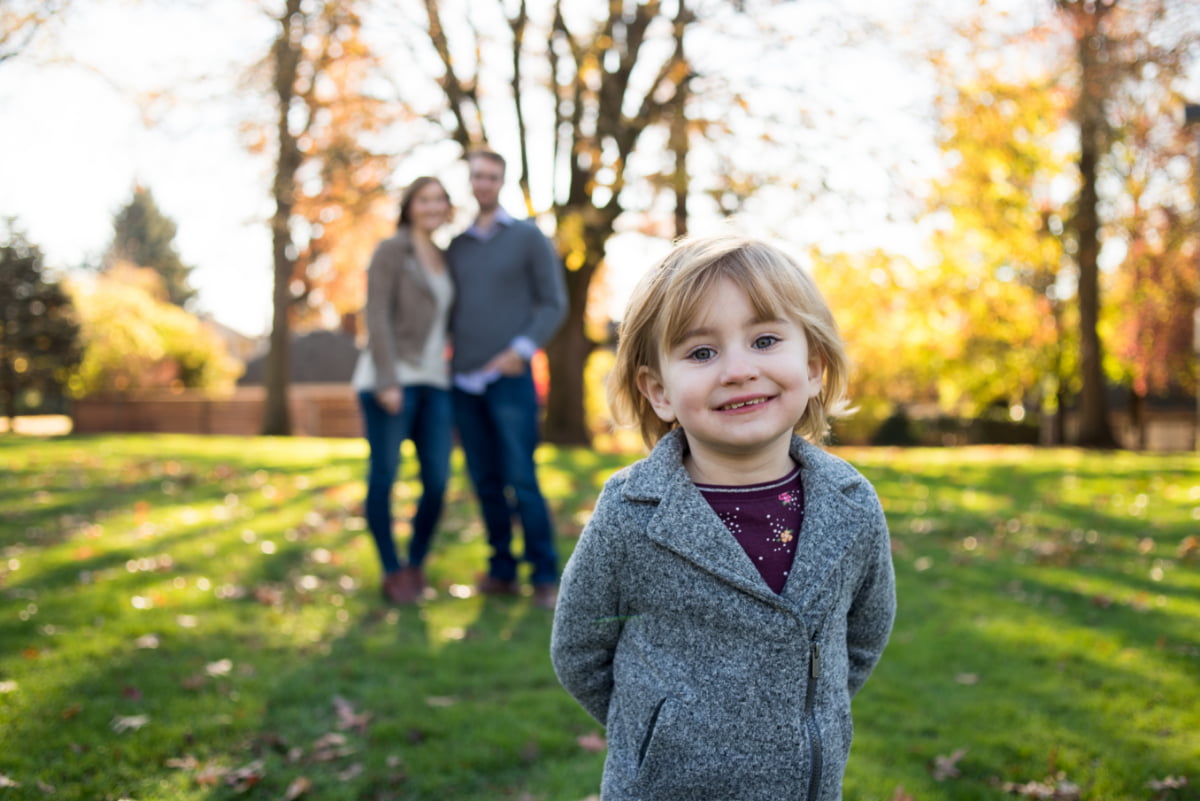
{"type": "Point", "coordinates": [739, 366]}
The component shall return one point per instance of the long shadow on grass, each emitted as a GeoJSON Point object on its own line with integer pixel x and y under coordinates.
{"type": "Point", "coordinates": [998, 651]}
{"type": "Point", "coordinates": [455, 700]}
{"type": "Point", "coordinates": [1024, 691]}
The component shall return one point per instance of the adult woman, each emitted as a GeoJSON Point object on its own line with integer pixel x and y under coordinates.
{"type": "Point", "coordinates": [403, 380]}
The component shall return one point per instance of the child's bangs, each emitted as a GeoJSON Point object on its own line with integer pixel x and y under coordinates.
{"type": "Point", "coordinates": [772, 292]}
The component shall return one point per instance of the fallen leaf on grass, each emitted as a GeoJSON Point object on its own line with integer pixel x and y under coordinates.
{"type": "Point", "coordinates": [330, 747]}
{"type": "Point", "coordinates": [7, 782]}
{"type": "Point", "coordinates": [593, 743]}
{"type": "Point", "coordinates": [899, 795]}
{"type": "Point", "coordinates": [194, 682]}
{"type": "Point", "coordinates": [946, 767]}
{"type": "Point", "coordinates": [1189, 546]}
{"type": "Point", "coordinates": [186, 762]}
{"type": "Point", "coordinates": [246, 777]}
{"type": "Point", "coordinates": [147, 642]}
{"type": "Point", "coordinates": [351, 772]}
{"type": "Point", "coordinates": [1055, 788]}
{"type": "Point", "coordinates": [348, 717]}
{"type": "Point", "coordinates": [8, 686]}
{"type": "Point", "coordinates": [221, 667]}
{"type": "Point", "coordinates": [297, 788]}
{"type": "Point", "coordinates": [967, 679]}
{"type": "Point", "coordinates": [123, 723]}
{"type": "Point", "coordinates": [209, 776]}
{"type": "Point", "coordinates": [1168, 783]}
{"type": "Point", "coordinates": [268, 595]}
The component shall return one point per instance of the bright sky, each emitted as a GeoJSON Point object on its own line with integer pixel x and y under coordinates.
{"type": "Point", "coordinates": [74, 144]}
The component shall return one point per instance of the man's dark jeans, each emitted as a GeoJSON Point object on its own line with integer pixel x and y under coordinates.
{"type": "Point", "coordinates": [498, 431]}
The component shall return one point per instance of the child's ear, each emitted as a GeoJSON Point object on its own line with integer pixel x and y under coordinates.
{"type": "Point", "coordinates": [816, 375]}
{"type": "Point", "coordinates": [651, 387]}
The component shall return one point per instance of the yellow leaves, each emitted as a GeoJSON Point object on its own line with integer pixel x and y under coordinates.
{"type": "Point", "coordinates": [571, 241]}
{"type": "Point", "coordinates": [133, 338]}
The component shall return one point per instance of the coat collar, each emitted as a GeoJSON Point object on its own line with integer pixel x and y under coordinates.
{"type": "Point", "coordinates": [685, 524]}
{"type": "Point", "coordinates": [409, 262]}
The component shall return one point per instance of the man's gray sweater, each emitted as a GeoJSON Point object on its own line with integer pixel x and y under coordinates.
{"type": "Point", "coordinates": [507, 286]}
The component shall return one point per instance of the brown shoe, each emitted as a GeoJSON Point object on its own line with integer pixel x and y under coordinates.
{"type": "Point", "coordinates": [416, 578]}
{"type": "Point", "coordinates": [490, 585]}
{"type": "Point", "coordinates": [545, 596]}
{"type": "Point", "coordinates": [398, 588]}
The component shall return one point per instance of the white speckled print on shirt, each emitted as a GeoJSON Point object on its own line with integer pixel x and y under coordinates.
{"type": "Point", "coordinates": [765, 520]}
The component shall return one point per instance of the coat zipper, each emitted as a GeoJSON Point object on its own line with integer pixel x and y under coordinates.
{"type": "Point", "coordinates": [810, 722]}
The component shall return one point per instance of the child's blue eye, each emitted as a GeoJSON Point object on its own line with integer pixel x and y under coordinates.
{"type": "Point", "coordinates": [765, 341]}
{"type": "Point", "coordinates": [702, 354]}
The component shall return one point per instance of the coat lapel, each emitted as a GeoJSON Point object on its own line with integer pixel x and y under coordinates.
{"type": "Point", "coordinates": [832, 522]}
{"type": "Point", "coordinates": [685, 524]}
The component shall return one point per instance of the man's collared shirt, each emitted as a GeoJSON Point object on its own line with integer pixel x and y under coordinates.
{"type": "Point", "coordinates": [476, 382]}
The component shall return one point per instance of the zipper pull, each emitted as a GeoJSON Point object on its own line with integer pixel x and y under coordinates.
{"type": "Point", "coordinates": [816, 661]}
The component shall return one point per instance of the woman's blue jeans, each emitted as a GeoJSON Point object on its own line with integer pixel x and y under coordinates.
{"type": "Point", "coordinates": [498, 431]}
{"type": "Point", "coordinates": [427, 419]}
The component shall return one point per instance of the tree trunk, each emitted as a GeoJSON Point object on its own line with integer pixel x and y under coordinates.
{"type": "Point", "coordinates": [286, 54]}
{"type": "Point", "coordinates": [678, 141]}
{"type": "Point", "coordinates": [276, 418]}
{"type": "Point", "coordinates": [1137, 419]}
{"type": "Point", "coordinates": [1095, 430]}
{"type": "Point", "coordinates": [567, 354]}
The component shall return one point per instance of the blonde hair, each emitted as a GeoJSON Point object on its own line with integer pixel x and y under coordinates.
{"type": "Point", "coordinates": [667, 299]}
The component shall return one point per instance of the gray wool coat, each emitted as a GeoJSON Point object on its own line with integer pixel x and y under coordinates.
{"type": "Point", "coordinates": [711, 686]}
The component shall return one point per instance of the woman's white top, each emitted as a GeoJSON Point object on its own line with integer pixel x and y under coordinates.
{"type": "Point", "coordinates": [433, 369]}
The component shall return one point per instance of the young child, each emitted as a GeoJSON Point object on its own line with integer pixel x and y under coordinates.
{"type": "Point", "coordinates": [734, 589]}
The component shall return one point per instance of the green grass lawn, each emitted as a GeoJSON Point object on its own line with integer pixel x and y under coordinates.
{"type": "Point", "coordinates": [199, 618]}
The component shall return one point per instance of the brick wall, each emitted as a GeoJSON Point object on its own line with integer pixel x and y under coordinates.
{"type": "Point", "coordinates": [317, 410]}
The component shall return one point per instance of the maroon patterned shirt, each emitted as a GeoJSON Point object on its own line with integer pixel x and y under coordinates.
{"type": "Point", "coordinates": [765, 519]}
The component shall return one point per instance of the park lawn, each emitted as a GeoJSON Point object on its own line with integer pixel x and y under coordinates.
{"type": "Point", "coordinates": [198, 618]}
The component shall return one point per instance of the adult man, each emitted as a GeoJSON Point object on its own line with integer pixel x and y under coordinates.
{"type": "Point", "coordinates": [510, 299]}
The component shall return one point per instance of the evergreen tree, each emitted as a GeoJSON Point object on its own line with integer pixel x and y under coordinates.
{"type": "Point", "coordinates": [144, 236]}
{"type": "Point", "coordinates": [39, 335]}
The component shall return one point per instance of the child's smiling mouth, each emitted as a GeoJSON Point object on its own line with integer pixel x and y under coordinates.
{"type": "Point", "coordinates": [742, 404]}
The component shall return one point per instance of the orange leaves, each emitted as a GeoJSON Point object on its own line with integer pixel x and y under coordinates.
{"type": "Point", "coordinates": [1189, 547]}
